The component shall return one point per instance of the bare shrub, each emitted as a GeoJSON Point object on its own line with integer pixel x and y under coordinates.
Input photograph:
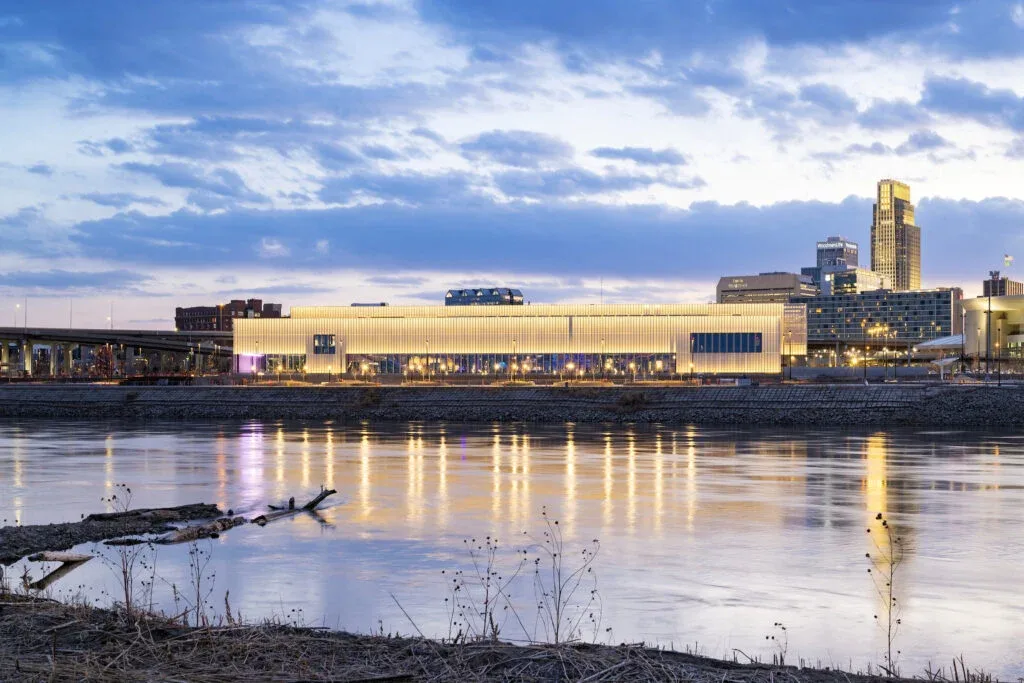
{"type": "Point", "coordinates": [886, 561]}
{"type": "Point", "coordinates": [479, 603]}
{"type": "Point", "coordinates": [566, 592]}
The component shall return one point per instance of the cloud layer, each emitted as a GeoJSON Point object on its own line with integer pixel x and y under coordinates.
{"type": "Point", "coordinates": [338, 150]}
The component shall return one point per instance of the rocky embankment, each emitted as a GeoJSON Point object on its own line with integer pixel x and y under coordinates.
{"type": "Point", "coordinates": [825, 405]}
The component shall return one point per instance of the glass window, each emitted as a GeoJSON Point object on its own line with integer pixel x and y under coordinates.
{"type": "Point", "coordinates": [323, 344]}
{"type": "Point", "coordinates": [725, 342]}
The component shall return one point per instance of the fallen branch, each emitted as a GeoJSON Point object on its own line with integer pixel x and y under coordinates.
{"type": "Point", "coordinates": [68, 563]}
{"type": "Point", "coordinates": [194, 533]}
{"type": "Point", "coordinates": [264, 519]}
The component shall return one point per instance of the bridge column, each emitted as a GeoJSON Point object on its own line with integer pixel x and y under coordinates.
{"type": "Point", "coordinates": [65, 360]}
{"type": "Point", "coordinates": [5, 354]}
{"type": "Point", "coordinates": [129, 360]}
{"type": "Point", "coordinates": [26, 357]}
{"type": "Point", "coordinates": [52, 346]}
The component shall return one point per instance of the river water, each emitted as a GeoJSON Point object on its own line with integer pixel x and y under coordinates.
{"type": "Point", "coordinates": [708, 537]}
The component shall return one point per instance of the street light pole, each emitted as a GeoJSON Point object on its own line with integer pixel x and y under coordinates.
{"type": "Point", "coordinates": [515, 361]}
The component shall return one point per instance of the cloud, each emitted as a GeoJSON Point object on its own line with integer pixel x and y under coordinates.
{"type": "Point", "coordinates": [336, 157]}
{"type": "Point", "coordinates": [397, 280]}
{"type": "Point", "coordinates": [411, 188]}
{"type": "Point", "coordinates": [323, 247]}
{"type": "Point", "coordinates": [577, 182]}
{"type": "Point", "coordinates": [120, 200]}
{"type": "Point", "coordinates": [923, 141]}
{"type": "Point", "coordinates": [520, 148]}
{"type": "Point", "coordinates": [63, 280]}
{"type": "Point", "coordinates": [892, 114]}
{"type": "Point", "coordinates": [828, 98]}
{"type": "Point", "coordinates": [645, 156]}
{"type": "Point", "coordinates": [270, 247]}
{"type": "Point", "coordinates": [783, 110]}
{"type": "Point", "coordinates": [381, 153]}
{"type": "Point", "coordinates": [917, 142]}
{"type": "Point", "coordinates": [679, 98]}
{"type": "Point", "coordinates": [41, 169]}
{"type": "Point", "coordinates": [429, 135]}
{"type": "Point", "coordinates": [966, 99]}
{"type": "Point", "coordinates": [573, 239]}
{"type": "Point", "coordinates": [1016, 149]}
{"type": "Point", "coordinates": [218, 188]}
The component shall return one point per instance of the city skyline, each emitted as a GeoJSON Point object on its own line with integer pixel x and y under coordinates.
{"type": "Point", "coordinates": [392, 151]}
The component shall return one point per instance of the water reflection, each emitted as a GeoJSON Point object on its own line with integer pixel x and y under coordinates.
{"type": "Point", "coordinates": [708, 535]}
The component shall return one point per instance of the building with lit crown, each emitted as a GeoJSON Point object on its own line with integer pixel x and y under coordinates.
{"type": "Point", "coordinates": [430, 341]}
{"type": "Point", "coordinates": [895, 239]}
{"type": "Point", "coordinates": [997, 285]}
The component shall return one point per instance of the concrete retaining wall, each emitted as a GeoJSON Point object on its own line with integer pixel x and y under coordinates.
{"type": "Point", "coordinates": [941, 405]}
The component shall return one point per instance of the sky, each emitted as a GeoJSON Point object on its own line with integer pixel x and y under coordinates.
{"type": "Point", "coordinates": [166, 154]}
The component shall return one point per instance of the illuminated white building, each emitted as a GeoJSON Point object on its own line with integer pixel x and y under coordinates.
{"type": "Point", "coordinates": [431, 341]}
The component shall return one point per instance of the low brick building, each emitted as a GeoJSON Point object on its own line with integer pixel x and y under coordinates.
{"type": "Point", "coordinates": [220, 318]}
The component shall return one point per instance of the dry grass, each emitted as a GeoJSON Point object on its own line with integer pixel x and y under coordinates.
{"type": "Point", "coordinates": [43, 640]}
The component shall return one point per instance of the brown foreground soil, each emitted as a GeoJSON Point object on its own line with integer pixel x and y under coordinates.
{"type": "Point", "coordinates": [43, 640]}
{"type": "Point", "coordinates": [18, 541]}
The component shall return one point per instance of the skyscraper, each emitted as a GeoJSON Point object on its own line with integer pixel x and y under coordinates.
{"type": "Point", "coordinates": [837, 253]}
{"type": "Point", "coordinates": [895, 240]}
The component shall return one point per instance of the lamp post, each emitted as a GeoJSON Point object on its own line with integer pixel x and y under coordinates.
{"type": "Point", "coordinates": [691, 371]}
{"type": "Point", "coordinates": [604, 372]}
{"type": "Point", "coordinates": [17, 307]}
{"type": "Point", "coordinates": [978, 339]}
{"type": "Point", "coordinates": [963, 338]}
{"type": "Point", "coordinates": [999, 367]}
{"type": "Point", "coordinates": [426, 368]}
{"type": "Point", "coordinates": [330, 373]}
{"type": "Point", "coordinates": [864, 338]}
{"type": "Point", "coordinates": [514, 363]}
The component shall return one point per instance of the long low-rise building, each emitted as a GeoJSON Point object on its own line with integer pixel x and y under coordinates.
{"type": "Point", "coordinates": [652, 339]}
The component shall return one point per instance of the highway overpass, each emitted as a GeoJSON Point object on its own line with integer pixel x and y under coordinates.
{"type": "Point", "coordinates": [126, 344]}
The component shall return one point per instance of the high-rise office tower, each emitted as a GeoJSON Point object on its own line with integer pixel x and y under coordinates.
{"type": "Point", "coordinates": [895, 240]}
{"type": "Point", "coordinates": [837, 253]}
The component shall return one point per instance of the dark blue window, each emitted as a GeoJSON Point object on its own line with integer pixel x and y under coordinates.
{"type": "Point", "coordinates": [323, 344]}
{"type": "Point", "coordinates": [725, 342]}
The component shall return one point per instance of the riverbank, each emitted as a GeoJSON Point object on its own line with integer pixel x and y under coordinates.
{"type": "Point", "coordinates": [917, 405]}
{"type": "Point", "coordinates": [18, 541]}
{"type": "Point", "coordinates": [44, 640]}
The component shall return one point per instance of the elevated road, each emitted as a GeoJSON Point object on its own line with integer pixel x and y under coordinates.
{"type": "Point", "coordinates": [215, 343]}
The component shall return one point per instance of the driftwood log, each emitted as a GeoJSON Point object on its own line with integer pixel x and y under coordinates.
{"type": "Point", "coordinates": [264, 519]}
{"type": "Point", "coordinates": [194, 533]}
{"type": "Point", "coordinates": [68, 563]}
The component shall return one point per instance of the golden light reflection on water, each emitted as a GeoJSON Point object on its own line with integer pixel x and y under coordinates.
{"type": "Point", "coordinates": [442, 483]}
{"type": "Point", "coordinates": [305, 458]}
{"type": "Point", "coordinates": [713, 502]}
{"type": "Point", "coordinates": [570, 483]}
{"type": "Point", "coordinates": [279, 459]}
{"type": "Point", "coordinates": [608, 502]}
{"type": "Point", "coordinates": [364, 476]}
{"type": "Point", "coordinates": [108, 465]}
{"type": "Point", "coordinates": [691, 481]}
{"type": "Point", "coordinates": [329, 459]}
{"type": "Point", "coordinates": [659, 483]}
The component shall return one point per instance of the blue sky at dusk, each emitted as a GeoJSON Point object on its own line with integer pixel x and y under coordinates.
{"type": "Point", "coordinates": [178, 153]}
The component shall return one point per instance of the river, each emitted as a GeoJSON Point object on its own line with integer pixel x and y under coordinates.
{"type": "Point", "coordinates": [708, 537]}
